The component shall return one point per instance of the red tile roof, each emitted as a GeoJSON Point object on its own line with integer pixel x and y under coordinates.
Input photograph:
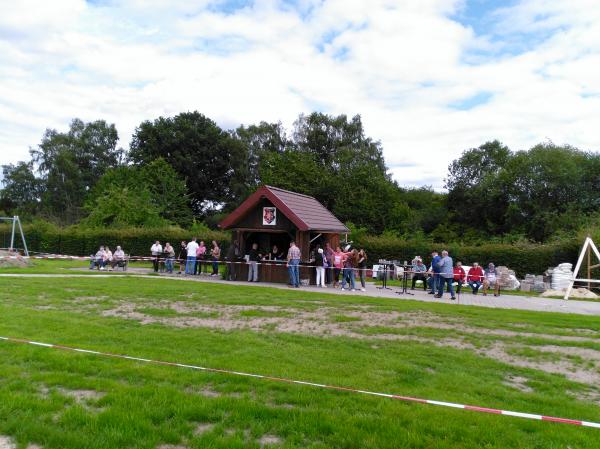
{"type": "Point", "coordinates": [304, 211]}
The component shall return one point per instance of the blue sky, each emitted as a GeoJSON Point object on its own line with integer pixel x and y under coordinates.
{"type": "Point", "coordinates": [430, 78]}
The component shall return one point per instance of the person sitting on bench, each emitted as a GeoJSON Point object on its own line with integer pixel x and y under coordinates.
{"type": "Point", "coordinates": [118, 259]}
{"type": "Point", "coordinates": [419, 270]}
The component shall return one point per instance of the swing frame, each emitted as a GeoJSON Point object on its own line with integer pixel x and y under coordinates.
{"type": "Point", "coordinates": [16, 222]}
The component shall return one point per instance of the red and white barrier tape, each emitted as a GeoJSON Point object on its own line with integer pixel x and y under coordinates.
{"type": "Point", "coordinates": [209, 261]}
{"type": "Point", "coordinates": [316, 385]}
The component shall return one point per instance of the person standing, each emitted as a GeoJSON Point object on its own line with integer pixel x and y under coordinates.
{"type": "Point", "coordinates": [328, 253]}
{"type": "Point", "coordinates": [156, 251]}
{"type": "Point", "coordinates": [338, 262]}
{"type": "Point", "coordinates": [435, 273]}
{"type": "Point", "coordinates": [200, 257]}
{"type": "Point", "coordinates": [475, 277]}
{"type": "Point", "coordinates": [233, 254]}
{"type": "Point", "coordinates": [362, 269]}
{"type": "Point", "coordinates": [293, 262]}
{"type": "Point", "coordinates": [459, 276]}
{"type": "Point", "coordinates": [191, 249]}
{"type": "Point", "coordinates": [182, 256]}
{"type": "Point", "coordinates": [349, 261]}
{"type": "Point", "coordinates": [169, 257]}
{"type": "Point", "coordinates": [446, 275]}
{"type": "Point", "coordinates": [320, 267]}
{"type": "Point", "coordinates": [215, 253]}
{"type": "Point", "coordinates": [253, 258]}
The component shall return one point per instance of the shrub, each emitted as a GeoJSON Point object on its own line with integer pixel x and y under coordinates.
{"type": "Point", "coordinates": [77, 241]}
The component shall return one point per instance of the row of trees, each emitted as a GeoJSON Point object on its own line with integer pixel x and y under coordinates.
{"type": "Point", "coordinates": [546, 191]}
{"type": "Point", "coordinates": [178, 169]}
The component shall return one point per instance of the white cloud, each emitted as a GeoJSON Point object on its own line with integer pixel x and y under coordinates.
{"type": "Point", "coordinates": [401, 65]}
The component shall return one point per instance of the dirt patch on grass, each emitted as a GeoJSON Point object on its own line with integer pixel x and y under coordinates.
{"type": "Point", "coordinates": [588, 396]}
{"type": "Point", "coordinates": [202, 428]}
{"type": "Point", "coordinates": [320, 321]}
{"type": "Point", "coordinates": [205, 390]}
{"type": "Point", "coordinates": [365, 322]}
{"type": "Point", "coordinates": [519, 383]}
{"type": "Point", "coordinates": [82, 397]}
{"type": "Point", "coordinates": [565, 367]}
{"type": "Point", "coordinates": [171, 446]}
{"type": "Point", "coordinates": [88, 299]}
{"type": "Point", "coordinates": [269, 440]}
{"type": "Point", "coordinates": [7, 443]}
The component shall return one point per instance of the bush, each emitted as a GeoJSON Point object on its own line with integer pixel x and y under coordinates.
{"type": "Point", "coordinates": [523, 258]}
{"type": "Point", "coordinates": [76, 241]}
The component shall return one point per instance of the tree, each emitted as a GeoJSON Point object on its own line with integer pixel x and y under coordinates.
{"type": "Point", "coordinates": [22, 190]}
{"type": "Point", "coordinates": [260, 141]}
{"type": "Point", "coordinates": [331, 159]}
{"type": "Point", "coordinates": [212, 163]}
{"type": "Point", "coordinates": [544, 183]}
{"type": "Point", "coordinates": [167, 191]}
{"type": "Point", "coordinates": [71, 163]}
{"type": "Point", "coordinates": [536, 193]}
{"type": "Point", "coordinates": [122, 207]}
{"type": "Point", "coordinates": [477, 196]}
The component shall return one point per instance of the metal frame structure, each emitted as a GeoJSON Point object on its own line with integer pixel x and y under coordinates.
{"type": "Point", "coordinates": [15, 221]}
{"type": "Point", "coordinates": [587, 246]}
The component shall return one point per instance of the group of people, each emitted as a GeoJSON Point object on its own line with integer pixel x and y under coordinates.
{"type": "Point", "coordinates": [104, 258]}
{"type": "Point", "coordinates": [192, 255]}
{"type": "Point", "coordinates": [254, 257]}
{"type": "Point", "coordinates": [331, 263]}
{"type": "Point", "coordinates": [443, 272]}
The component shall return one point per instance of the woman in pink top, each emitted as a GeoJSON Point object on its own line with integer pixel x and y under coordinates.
{"type": "Point", "coordinates": [338, 262]}
{"type": "Point", "coordinates": [200, 253]}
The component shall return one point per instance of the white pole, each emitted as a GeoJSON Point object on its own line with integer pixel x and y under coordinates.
{"type": "Point", "coordinates": [12, 235]}
{"type": "Point", "coordinates": [22, 237]}
{"type": "Point", "coordinates": [577, 267]}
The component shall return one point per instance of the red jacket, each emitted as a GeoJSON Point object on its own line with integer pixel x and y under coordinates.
{"type": "Point", "coordinates": [475, 274]}
{"type": "Point", "coordinates": [459, 274]}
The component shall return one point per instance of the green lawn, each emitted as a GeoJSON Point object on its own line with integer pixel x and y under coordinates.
{"type": "Point", "coordinates": [523, 361]}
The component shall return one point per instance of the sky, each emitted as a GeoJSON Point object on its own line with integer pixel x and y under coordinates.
{"type": "Point", "coordinates": [430, 78]}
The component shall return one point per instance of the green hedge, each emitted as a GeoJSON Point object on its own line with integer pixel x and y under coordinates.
{"type": "Point", "coordinates": [83, 242]}
{"type": "Point", "coordinates": [523, 258]}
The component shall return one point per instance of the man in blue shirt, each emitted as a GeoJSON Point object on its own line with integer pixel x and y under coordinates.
{"type": "Point", "coordinates": [446, 275]}
{"type": "Point", "coordinates": [435, 273]}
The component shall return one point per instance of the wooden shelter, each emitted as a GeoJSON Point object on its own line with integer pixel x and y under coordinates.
{"type": "Point", "coordinates": [274, 217]}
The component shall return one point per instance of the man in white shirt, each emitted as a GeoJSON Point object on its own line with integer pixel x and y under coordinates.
{"type": "Point", "coordinates": [191, 248]}
{"type": "Point", "coordinates": [156, 252]}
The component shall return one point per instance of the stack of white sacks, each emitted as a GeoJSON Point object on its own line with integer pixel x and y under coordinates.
{"type": "Point", "coordinates": [561, 276]}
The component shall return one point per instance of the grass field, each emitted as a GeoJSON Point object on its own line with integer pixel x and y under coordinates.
{"type": "Point", "coordinates": [515, 360]}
